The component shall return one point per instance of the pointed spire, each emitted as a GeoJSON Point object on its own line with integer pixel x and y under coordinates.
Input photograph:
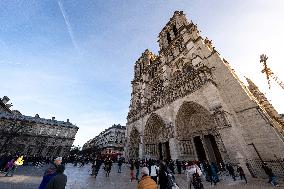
{"type": "Point", "coordinates": [251, 84]}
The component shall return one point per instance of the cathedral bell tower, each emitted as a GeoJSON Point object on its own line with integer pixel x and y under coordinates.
{"type": "Point", "coordinates": [172, 30]}
{"type": "Point", "coordinates": [174, 37]}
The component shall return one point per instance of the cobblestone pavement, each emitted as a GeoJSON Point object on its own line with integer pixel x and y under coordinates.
{"type": "Point", "coordinates": [79, 178]}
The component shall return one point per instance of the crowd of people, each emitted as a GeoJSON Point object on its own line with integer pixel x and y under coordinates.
{"type": "Point", "coordinates": [148, 172]}
{"type": "Point", "coordinates": [162, 173]}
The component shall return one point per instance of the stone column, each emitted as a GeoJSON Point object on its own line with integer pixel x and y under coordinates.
{"type": "Point", "coordinates": [156, 151]}
{"type": "Point", "coordinates": [221, 147]}
{"type": "Point", "coordinates": [205, 147]}
{"type": "Point", "coordinates": [173, 148]}
{"type": "Point", "coordinates": [141, 147]}
{"type": "Point", "coordinates": [141, 152]}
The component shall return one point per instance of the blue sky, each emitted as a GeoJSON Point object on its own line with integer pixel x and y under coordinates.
{"type": "Point", "coordinates": [74, 59]}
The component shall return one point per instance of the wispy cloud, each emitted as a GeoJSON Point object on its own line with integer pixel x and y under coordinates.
{"type": "Point", "coordinates": [12, 63]}
{"type": "Point", "coordinates": [68, 25]}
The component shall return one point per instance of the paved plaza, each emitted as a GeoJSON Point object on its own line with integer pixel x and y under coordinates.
{"type": "Point", "coordinates": [79, 178]}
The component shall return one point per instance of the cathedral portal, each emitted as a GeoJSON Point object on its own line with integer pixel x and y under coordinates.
{"type": "Point", "coordinates": [155, 139]}
{"type": "Point", "coordinates": [196, 128]}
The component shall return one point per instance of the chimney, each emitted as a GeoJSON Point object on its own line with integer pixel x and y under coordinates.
{"type": "Point", "coordinates": [36, 116]}
{"type": "Point", "coordinates": [9, 105]}
{"type": "Point", "coordinates": [53, 118]}
{"type": "Point", "coordinates": [67, 120]}
{"type": "Point", "coordinates": [5, 99]}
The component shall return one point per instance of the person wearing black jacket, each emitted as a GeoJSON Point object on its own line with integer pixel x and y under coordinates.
{"type": "Point", "coordinates": [166, 178]}
{"type": "Point", "coordinates": [178, 163]}
{"type": "Point", "coordinates": [231, 171]}
{"type": "Point", "coordinates": [272, 177]}
{"type": "Point", "coordinates": [59, 181]}
{"type": "Point", "coordinates": [241, 173]}
{"type": "Point", "coordinates": [137, 166]}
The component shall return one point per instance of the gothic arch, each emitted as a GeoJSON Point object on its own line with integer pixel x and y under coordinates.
{"type": "Point", "coordinates": [156, 138]}
{"type": "Point", "coordinates": [191, 118]}
{"type": "Point", "coordinates": [197, 134]}
{"type": "Point", "coordinates": [134, 141]}
{"type": "Point", "coordinates": [153, 132]}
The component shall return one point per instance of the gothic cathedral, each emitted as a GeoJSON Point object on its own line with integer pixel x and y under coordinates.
{"type": "Point", "coordinates": [188, 104]}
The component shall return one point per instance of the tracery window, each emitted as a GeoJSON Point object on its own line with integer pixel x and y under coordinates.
{"type": "Point", "coordinates": [169, 38]}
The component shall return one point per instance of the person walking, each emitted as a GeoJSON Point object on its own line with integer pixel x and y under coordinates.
{"type": "Point", "coordinates": [231, 171]}
{"type": "Point", "coordinates": [137, 166]}
{"type": "Point", "coordinates": [59, 181]}
{"type": "Point", "coordinates": [272, 177]}
{"type": "Point", "coordinates": [98, 166]}
{"type": "Point", "coordinates": [193, 176]}
{"type": "Point", "coordinates": [132, 170]}
{"type": "Point", "coordinates": [146, 181]}
{"type": "Point", "coordinates": [163, 179]}
{"type": "Point", "coordinates": [9, 167]}
{"type": "Point", "coordinates": [171, 165]}
{"type": "Point", "coordinates": [212, 171]}
{"type": "Point", "coordinates": [241, 173]}
{"type": "Point", "coordinates": [119, 163]}
{"type": "Point", "coordinates": [94, 165]}
{"type": "Point", "coordinates": [178, 163]}
{"type": "Point", "coordinates": [18, 162]}
{"type": "Point", "coordinates": [107, 167]}
{"type": "Point", "coordinates": [154, 169]}
{"type": "Point", "coordinates": [50, 172]}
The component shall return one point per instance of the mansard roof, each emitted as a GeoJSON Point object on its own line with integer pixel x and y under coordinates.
{"type": "Point", "coordinates": [16, 115]}
{"type": "Point", "coordinates": [4, 115]}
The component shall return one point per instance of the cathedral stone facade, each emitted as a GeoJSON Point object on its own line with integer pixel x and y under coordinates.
{"type": "Point", "coordinates": [33, 136]}
{"type": "Point", "coordinates": [187, 103]}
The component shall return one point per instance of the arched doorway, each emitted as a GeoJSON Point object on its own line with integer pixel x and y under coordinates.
{"type": "Point", "coordinates": [134, 140]}
{"type": "Point", "coordinates": [196, 131]}
{"type": "Point", "coordinates": [155, 139]}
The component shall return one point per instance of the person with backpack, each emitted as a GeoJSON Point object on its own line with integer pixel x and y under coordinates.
{"type": "Point", "coordinates": [163, 179]}
{"type": "Point", "coordinates": [193, 176]}
{"type": "Point", "coordinates": [166, 180]}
